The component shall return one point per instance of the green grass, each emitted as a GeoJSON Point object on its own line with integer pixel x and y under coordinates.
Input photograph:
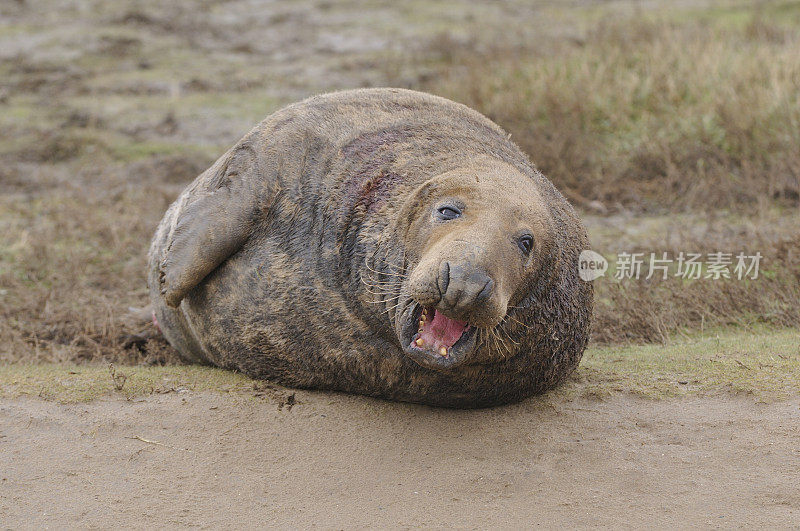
{"type": "Point", "coordinates": [765, 365]}
{"type": "Point", "coordinates": [127, 151]}
{"type": "Point", "coordinates": [80, 383]}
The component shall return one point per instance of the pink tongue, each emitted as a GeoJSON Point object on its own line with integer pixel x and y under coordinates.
{"type": "Point", "coordinates": [442, 331]}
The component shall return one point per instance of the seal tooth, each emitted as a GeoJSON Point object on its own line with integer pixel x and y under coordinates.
{"type": "Point", "coordinates": [443, 351]}
{"type": "Point", "coordinates": [420, 342]}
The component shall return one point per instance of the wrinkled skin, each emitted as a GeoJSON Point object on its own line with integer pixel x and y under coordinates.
{"type": "Point", "coordinates": [383, 242]}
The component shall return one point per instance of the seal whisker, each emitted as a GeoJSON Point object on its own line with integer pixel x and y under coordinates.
{"type": "Point", "coordinates": [380, 290]}
{"type": "Point", "coordinates": [496, 347]}
{"type": "Point", "coordinates": [392, 267]}
{"type": "Point", "coordinates": [499, 343]}
{"type": "Point", "coordinates": [393, 294]}
{"type": "Point", "coordinates": [383, 301]}
{"type": "Point", "coordinates": [378, 287]}
{"type": "Point", "coordinates": [499, 340]}
{"type": "Point", "coordinates": [403, 275]}
{"type": "Point", "coordinates": [378, 293]}
{"type": "Point", "coordinates": [520, 323]}
{"type": "Point", "coordinates": [381, 293]}
{"type": "Point", "coordinates": [379, 282]}
{"type": "Point", "coordinates": [389, 309]}
{"type": "Point", "coordinates": [505, 348]}
{"type": "Point", "coordinates": [502, 331]}
{"type": "Point", "coordinates": [489, 337]}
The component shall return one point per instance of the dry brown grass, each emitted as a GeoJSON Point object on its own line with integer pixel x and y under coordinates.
{"type": "Point", "coordinates": [642, 113]}
{"type": "Point", "coordinates": [657, 309]}
{"type": "Point", "coordinates": [72, 262]}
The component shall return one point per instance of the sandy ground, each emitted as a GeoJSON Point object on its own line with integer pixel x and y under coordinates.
{"type": "Point", "coordinates": [211, 460]}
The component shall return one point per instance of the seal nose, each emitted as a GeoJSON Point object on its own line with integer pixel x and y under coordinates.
{"type": "Point", "coordinates": [463, 287]}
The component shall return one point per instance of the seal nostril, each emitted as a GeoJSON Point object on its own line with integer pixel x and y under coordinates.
{"type": "Point", "coordinates": [444, 279]}
{"type": "Point", "coordinates": [486, 292]}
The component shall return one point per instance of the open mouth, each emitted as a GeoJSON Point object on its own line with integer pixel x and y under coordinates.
{"type": "Point", "coordinates": [435, 340]}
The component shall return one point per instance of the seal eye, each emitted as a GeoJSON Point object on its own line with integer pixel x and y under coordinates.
{"type": "Point", "coordinates": [448, 212]}
{"type": "Point", "coordinates": [526, 244]}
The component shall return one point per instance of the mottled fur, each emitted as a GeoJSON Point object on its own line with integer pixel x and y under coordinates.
{"type": "Point", "coordinates": [285, 258]}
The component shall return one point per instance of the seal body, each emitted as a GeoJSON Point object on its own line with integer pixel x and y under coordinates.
{"type": "Point", "coordinates": [380, 241]}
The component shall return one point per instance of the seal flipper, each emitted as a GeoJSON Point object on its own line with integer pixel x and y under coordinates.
{"type": "Point", "coordinates": [210, 222]}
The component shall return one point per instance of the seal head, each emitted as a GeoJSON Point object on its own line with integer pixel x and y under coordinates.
{"type": "Point", "coordinates": [479, 232]}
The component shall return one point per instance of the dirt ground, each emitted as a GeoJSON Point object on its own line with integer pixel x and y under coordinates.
{"type": "Point", "coordinates": [334, 461]}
